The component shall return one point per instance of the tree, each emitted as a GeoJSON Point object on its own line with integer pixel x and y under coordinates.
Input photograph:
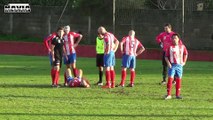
{"type": "Point", "coordinates": [163, 4]}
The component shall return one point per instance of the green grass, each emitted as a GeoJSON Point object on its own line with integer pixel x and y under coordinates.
{"type": "Point", "coordinates": [25, 93]}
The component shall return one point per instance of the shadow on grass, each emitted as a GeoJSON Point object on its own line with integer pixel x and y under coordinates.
{"type": "Point", "coordinates": [105, 115]}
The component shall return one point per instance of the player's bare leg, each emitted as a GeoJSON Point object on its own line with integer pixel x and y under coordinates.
{"type": "Point", "coordinates": [68, 73]}
{"type": "Point", "coordinates": [84, 83]}
{"type": "Point", "coordinates": [80, 73]}
{"type": "Point", "coordinates": [68, 66]}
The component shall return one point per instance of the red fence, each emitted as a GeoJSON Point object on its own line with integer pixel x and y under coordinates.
{"type": "Point", "coordinates": [38, 49]}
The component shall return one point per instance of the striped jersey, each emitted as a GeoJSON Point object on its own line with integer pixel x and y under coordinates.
{"type": "Point", "coordinates": [109, 39]}
{"type": "Point", "coordinates": [131, 45]}
{"type": "Point", "coordinates": [175, 53]}
{"type": "Point", "coordinates": [69, 41]}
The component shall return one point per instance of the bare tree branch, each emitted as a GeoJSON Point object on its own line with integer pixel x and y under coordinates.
{"type": "Point", "coordinates": [154, 3]}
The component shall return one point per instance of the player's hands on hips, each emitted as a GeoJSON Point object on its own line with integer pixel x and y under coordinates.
{"type": "Point", "coordinates": [183, 63]}
{"type": "Point", "coordinates": [66, 57]}
{"type": "Point", "coordinates": [122, 52]}
{"type": "Point", "coordinates": [169, 65]}
{"type": "Point", "coordinates": [161, 45]}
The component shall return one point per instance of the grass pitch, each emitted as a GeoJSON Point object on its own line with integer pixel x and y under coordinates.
{"type": "Point", "coordinates": [25, 93]}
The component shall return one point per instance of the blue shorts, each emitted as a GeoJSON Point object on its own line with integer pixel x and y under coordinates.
{"type": "Point", "coordinates": [176, 70]}
{"type": "Point", "coordinates": [109, 59]}
{"type": "Point", "coordinates": [128, 61]}
{"type": "Point", "coordinates": [50, 58]}
{"type": "Point", "coordinates": [71, 59]}
{"type": "Point", "coordinates": [69, 79]}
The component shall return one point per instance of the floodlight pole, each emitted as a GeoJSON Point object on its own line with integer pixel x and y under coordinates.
{"type": "Point", "coordinates": [183, 18]}
{"type": "Point", "coordinates": [113, 16]}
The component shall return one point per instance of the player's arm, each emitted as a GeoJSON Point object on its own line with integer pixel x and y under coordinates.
{"type": "Point", "coordinates": [141, 50]}
{"type": "Point", "coordinates": [116, 44]}
{"type": "Point", "coordinates": [96, 45]}
{"type": "Point", "coordinates": [122, 45]}
{"type": "Point", "coordinates": [65, 53]}
{"type": "Point", "coordinates": [168, 63]}
{"type": "Point", "coordinates": [78, 40]}
{"type": "Point", "coordinates": [46, 43]}
{"type": "Point", "coordinates": [185, 56]}
{"type": "Point", "coordinates": [80, 73]}
{"type": "Point", "coordinates": [159, 40]}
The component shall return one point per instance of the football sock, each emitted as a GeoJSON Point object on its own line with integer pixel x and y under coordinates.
{"type": "Point", "coordinates": [75, 71]}
{"type": "Point", "coordinates": [52, 75]}
{"type": "Point", "coordinates": [123, 77]}
{"type": "Point", "coordinates": [56, 79]}
{"type": "Point", "coordinates": [112, 74]}
{"type": "Point", "coordinates": [178, 86]}
{"type": "Point", "coordinates": [169, 86]}
{"type": "Point", "coordinates": [100, 76]}
{"type": "Point", "coordinates": [132, 77]}
{"type": "Point", "coordinates": [108, 78]}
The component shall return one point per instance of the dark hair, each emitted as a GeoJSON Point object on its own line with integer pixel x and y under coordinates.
{"type": "Point", "coordinates": [168, 25]}
{"type": "Point", "coordinates": [60, 28]}
{"type": "Point", "coordinates": [176, 34]}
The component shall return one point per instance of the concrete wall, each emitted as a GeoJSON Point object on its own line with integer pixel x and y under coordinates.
{"type": "Point", "coordinates": [147, 24]}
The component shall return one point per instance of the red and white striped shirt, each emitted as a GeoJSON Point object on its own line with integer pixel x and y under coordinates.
{"type": "Point", "coordinates": [69, 41]}
{"type": "Point", "coordinates": [176, 53]}
{"type": "Point", "coordinates": [131, 45]}
{"type": "Point", "coordinates": [109, 39]}
{"type": "Point", "coordinates": [48, 40]}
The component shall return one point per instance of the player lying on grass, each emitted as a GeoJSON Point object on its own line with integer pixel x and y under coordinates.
{"type": "Point", "coordinates": [78, 81]}
{"type": "Point", "coordinates": [176, 57]}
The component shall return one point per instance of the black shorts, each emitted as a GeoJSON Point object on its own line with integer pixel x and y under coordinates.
{"type": "Point", "coordinates": [99, 60]}
{"type": "Point", "coordinates": [58, 61]}
{"type": "Point", "coordinates": [163, 59]}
